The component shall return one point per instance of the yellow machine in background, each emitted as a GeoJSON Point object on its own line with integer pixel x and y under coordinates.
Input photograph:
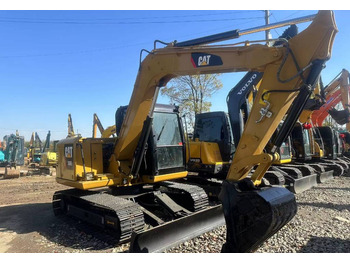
{"type": "Point", "coordinates": [105, 133]}
{"type": "Point", "coordinates": [141, 164]}
{"type": "Point", "coordinates": [49, 158]}
{"type": "Point", "coordinates": [35, 150]}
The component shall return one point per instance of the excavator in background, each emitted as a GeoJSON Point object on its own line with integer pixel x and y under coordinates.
{"type": "Point", "coordinates": [149, 201]}
{"type": "Point", "coordinates": [105, 133]}
{"type": "Point", "coordinates": [35, 150]}
{"type": "Point", "coordinates": [336, 91]}
{"type": "Point", "coordinates": [13, 150]}
{"type": "Point", "coordinates": [48, 159]}
{"type": "Point", "coordinates": [328, 144]}
{"type": "Point", "coordinates": [41, 159]}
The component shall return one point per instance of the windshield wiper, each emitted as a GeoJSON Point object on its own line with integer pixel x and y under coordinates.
{"type": "Point", "coordinates": [161, 131]}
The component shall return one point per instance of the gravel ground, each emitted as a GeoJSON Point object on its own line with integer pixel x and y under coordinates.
{"type": "Point", "coordinates": [27, 224]}
{"type": "Point", "coordinates": [322, 225]}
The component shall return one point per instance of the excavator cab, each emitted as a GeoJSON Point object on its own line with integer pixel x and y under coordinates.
{"type": "Point", "coordinates": [165, 143]}
{"type": "Point", "coordinates": [330, 142]}
{"type": "Point", "coordinates": [215, 127]}
{"type": "Point", "coordinates": [338, 143]}
{"type": "Point", "coordinates": [345, 136]}
{"type": "Point", "coordinates": [285, 151]}
{"type": "Point", "coordinates": [301, 139]}
{"type": "Point", "coordinates": [212, 147]}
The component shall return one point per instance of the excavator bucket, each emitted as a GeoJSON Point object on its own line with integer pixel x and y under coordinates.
{"type": "Point", "coordinates": [254, 214]}
{"type": "Point", "coordinates": [340, 116]}
{"type": "Point", "coordinates": [173, 233]}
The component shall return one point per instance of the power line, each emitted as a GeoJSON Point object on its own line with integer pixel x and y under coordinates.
{"type": "Point", "coordinates": [275, 29]}
{"type": "Point", "coordinates": [103, 49]}
{"type": "Point", "coordinates": [126, 23]}
{"type": "Point", "coordinates": [129, 18]}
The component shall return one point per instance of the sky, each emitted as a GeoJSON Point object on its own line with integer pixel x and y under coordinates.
{"type": "Point", "coordinates": [54, 62]}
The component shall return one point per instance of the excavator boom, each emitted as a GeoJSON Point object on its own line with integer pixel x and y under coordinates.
{"type": "Point", "coordinates": [70, 126]}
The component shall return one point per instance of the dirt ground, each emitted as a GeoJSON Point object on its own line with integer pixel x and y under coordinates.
{"type": "Point", "coordinates": [28, 225]}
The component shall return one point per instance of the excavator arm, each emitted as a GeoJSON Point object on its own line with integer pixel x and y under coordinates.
{"type": "Point", "coordinates": [96, 124]}
{"type": "Point", "coordinates": [70, 127]}
{"type": "Point", "coordinates": [38, 142]}
{"type": "Point", "coordinates": [47, 142]}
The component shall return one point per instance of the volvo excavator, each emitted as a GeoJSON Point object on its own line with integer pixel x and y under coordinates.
{"type": "Point", "coordinates": [148, 201]}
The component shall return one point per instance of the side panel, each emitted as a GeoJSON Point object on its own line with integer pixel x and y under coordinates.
{"type": "Point", "coordinates": [66, 159]}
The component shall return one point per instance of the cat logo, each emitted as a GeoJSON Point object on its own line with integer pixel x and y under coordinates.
{"type": "Point", "coordinates": [68, 154]}
{"type": "Point", "coordinates": [203, 59]}
{"type": "Point", "coordinates": [68, 151]}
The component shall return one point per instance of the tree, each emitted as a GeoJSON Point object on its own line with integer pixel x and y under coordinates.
{"type": "Point", "coordinates": [192, 93]}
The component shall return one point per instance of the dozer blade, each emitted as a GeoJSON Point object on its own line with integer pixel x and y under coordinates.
{"type": "Point", "coordinates": [175, 232]}
{"type": "Point", "coordinates": [300, 185]}
{"type": "Point", "coordinates": [325, 176]}
{"type": "Point", "coordinates": [254, 214]}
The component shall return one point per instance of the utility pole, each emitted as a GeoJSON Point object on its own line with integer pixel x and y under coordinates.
{"type": "Point", "coordinates": [267, 21]}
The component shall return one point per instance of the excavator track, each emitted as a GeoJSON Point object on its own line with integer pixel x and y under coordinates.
{"type": "Point", "coordinates": [198, 199]}
{"type": "Point", "coordinates": [102, 210]}
{"type": "Point", "coordinates": [126, 217]}
{"type": "Point", "coordinates": [275, 176]}
{"type": "Point", "coordinates": [338, 168]}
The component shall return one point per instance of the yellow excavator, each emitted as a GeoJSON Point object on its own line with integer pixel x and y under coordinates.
{"type": "Point", "coordinates": [48, 159]}
{"type": "Point", "coordinates": [148, 200]}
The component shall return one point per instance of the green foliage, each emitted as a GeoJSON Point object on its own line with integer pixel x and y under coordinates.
{"type": "Point", "coordinates": [192, 93]}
